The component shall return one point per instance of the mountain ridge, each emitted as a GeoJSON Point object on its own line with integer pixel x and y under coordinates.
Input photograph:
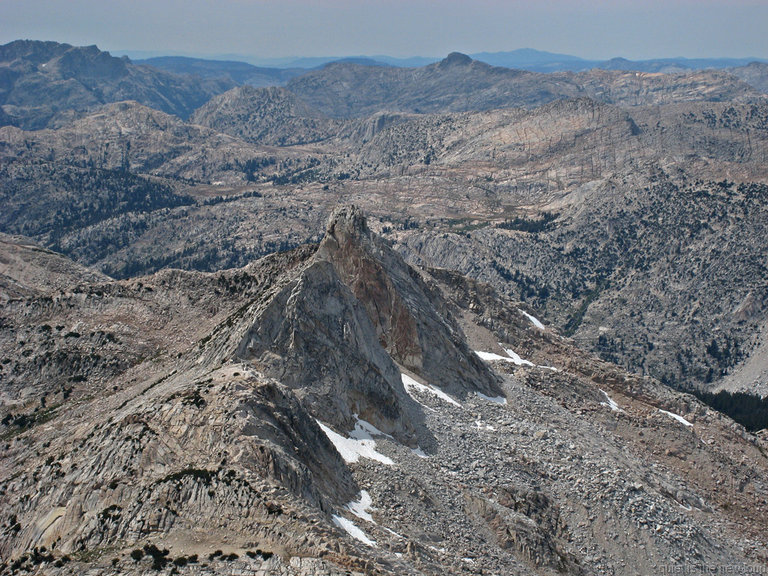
{"type": "Point", "coordinates": [195, 457]}
{"type": "Point", "coordinates": [523, 58]}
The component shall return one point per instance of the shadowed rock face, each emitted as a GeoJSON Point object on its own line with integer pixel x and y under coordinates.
{"type": "Point", "coordinates": [314, 336]}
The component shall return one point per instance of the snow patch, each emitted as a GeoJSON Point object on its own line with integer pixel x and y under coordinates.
{"type": "Point", "coordinates": [480, 425]}
{"type": "Point", "coordinates": [396, 535]}
{"type": "Point", "coordinates": [351, 449]}
{"type": "Point", "coordinates": [410, 385]}
{"type": "Point", "coordinates": [610, 402]}
{"type": "Point", "coordinates": [494, 399]}
{"type": "Point", "coordinates": [535, 321]}
{"type": "Point", "coordinates": [360, 508]}
{"type": "Point", "coordinates": [516, 358]}
{"type": "Point", "coordinates": [677, 417]}
{"type": "Point", "coordinates": [512, 358]}
{"type": "Point", "coordinates": [349, 527]}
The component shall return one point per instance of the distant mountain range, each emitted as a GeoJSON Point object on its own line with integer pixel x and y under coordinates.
{"type": "Point", "coordinates": [43, 84]}
{"type": "Point", "coordinates": [522, 59]}
{"type": "Point", "coordinates": [539, 61]}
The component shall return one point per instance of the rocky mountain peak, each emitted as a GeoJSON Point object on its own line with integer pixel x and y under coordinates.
{"type": "Point", "coordinates": [456, 59]}
{"type": "Point", "coordinates": [90, 63]}
{"type": "Point", "coordinates": [410, 317]}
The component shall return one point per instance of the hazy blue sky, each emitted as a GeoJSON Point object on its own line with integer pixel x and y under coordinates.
{"type": "Point", "coordinates": [262, 28]}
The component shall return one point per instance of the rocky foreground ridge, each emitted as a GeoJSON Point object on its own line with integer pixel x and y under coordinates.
{"type": "Point", "coordinates": [333, 410]}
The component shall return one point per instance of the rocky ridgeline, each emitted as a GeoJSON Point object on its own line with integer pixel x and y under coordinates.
{"type": "Point", "coordinates": [277, 436]}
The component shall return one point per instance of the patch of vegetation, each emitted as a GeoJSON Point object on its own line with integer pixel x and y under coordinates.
{"type": "Point", "coordinates": [13, 524]}
{"type": "Point", "coordinates": [212, 201]}
{"type": "Point", "coordinates": [110, 513]}
{"type": "Point", "coordinates": [61, 561]}
{"type": "Point", "coordinates": [253, 166]}
{"type": "Point", "coordinates": [465, 225]}
{"type": "Point", "coordinates": [259, 554]}
{"type": "Point", "coordinates": [193, 398]}
{"type": "Point", "coordinates": [297, 173]}
{"type": "Point", "coordinates": [159, 557]}
{"type": "Point", "coordinates": [725, 353]}
{"type": "Point", "coordinates": [576, 317]}
{"type": "Point", "coordinates": [28, 562]}
{"type": "Point", "coordinates": [531, 226]}
{"type": "Point", "coordinates": [74, 198]}
{"type": "Point", "coordinates": [18, 423]}
{"type": "Point", "coordinates": [747, 409]}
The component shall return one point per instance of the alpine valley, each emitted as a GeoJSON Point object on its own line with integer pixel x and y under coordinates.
{"type": "Point", "coordinates": [366, 319]}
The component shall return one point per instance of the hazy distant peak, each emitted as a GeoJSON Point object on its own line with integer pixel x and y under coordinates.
{"type": "Point", "coordinates": [456, 59]}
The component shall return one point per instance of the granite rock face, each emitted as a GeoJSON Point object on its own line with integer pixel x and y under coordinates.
{"type": "Point", "coordinates": [315, 337]}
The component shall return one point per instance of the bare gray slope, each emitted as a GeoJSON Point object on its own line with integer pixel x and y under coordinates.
{"type": "Point", "coordinates": [270, 116]}
{"type": "Point", "coordinates": [751, 376]}
{"type": "Point", "coordinates": [29, 269]}
{"type": "Point", "coordinates": [755, 74]}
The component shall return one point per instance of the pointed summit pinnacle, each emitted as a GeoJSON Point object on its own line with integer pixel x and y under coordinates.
{"type": "Point", "coordinates": [347, 221]}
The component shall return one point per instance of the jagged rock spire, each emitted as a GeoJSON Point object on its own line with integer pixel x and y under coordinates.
{"type": "Point", "coordinates": [412, 322]}
{"type": "Point", "coordinates": [338, 330]}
